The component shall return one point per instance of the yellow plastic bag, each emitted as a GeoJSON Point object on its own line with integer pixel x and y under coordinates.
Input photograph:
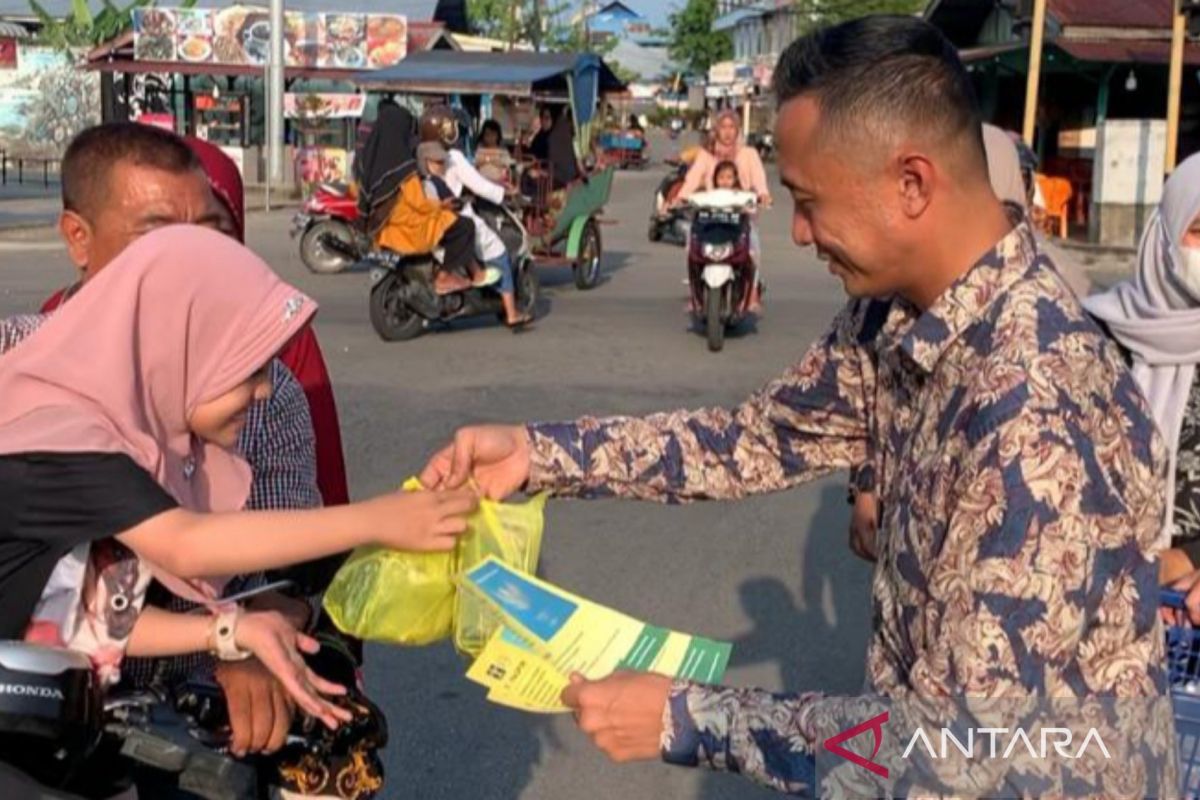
{"type": "Point", "coordinates": [411, 598]}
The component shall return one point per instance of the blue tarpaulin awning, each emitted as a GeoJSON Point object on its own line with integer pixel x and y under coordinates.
{"type": "Point", "coordinates": [518, 73]}
{"type": "Point", "coordinates": [579, 77]}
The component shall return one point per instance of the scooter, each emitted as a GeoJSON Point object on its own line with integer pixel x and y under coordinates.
{"type": "Point", "coordinates": [404, 304]}
{"type": "Point", "coordinates": [676, 128]}
{"type": "Point", "coordinates": [721, 271]}
{"type": "Point", "coordinates": [61, 739]}
{"type": "Point", "coordinates": [670, 222]}
{"type": "Point", "coordinates": [764, 143]}
{"type": "Point", "coordinates": [331, 238]}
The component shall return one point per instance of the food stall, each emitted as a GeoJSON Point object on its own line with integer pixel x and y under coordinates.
{"type": "Point", "coordinates": [214, 60]}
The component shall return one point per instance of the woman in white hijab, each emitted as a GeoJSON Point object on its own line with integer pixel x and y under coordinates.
{"type": "Point", "coordinates": [1155, 318]}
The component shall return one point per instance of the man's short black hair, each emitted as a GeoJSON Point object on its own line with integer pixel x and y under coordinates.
{"type": "Point", "coordinates": [883, 74]}
{"type": "Point", "coordinates": [92, 155]}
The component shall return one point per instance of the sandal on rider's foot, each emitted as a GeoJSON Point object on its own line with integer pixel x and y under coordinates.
{"type": "Point", "coordinates": [521, 323]}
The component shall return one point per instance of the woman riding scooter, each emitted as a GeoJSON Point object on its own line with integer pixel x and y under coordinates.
{"type": "Point", "coordinates": [726, 145]}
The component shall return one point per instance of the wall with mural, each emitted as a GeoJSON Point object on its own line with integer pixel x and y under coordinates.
{"type": "Point", "coordinates": [44, 102]}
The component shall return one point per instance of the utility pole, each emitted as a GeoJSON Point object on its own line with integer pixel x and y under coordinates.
{"type": "Point", "coordinates": [1036, 41]}
{"type": "Point", "coordinates": [1175, 84]}
{"type": "Point", "coordinates": [275, 88]}
{"type": "Point", "coordinates": [537, 26]}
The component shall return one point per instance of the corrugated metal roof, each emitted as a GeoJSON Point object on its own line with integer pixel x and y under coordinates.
{"type": "Point", "coordinates": [11, 30]}
{"type": "Point", "coordinates": [1131, 51]}
{"type": "Point", "coordinates": [1113, 13]}
{"type": "Point", "coordinates": [413, 9]}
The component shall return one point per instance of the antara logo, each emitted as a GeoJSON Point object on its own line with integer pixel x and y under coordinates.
{"type": "Point", "coordinates": [875, 724]}
{"type": "Point", "coordinates": [1060, 739]}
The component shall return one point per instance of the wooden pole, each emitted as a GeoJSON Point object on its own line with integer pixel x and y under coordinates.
{"type": "Point", "coordinates": [1036, 40]}
{"type": "Point", "coordinates": [1178, 35]}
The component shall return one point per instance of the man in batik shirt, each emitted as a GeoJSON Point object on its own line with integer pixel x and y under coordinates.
{"type": "Point", "coordinates": [1019, 471]}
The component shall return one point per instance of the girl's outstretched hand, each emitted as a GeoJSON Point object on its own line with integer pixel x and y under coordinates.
{"type": "Point", "coordinates": [423, 521]}
{"type": "Point", "coordinates": [280, 648]}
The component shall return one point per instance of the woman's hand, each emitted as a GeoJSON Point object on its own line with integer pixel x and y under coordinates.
{"type": "Point", "coordinates": [279, 647]}
{"type": "Point", "coordinates": [426, 521]}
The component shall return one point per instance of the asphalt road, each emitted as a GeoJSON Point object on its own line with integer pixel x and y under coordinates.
{"type": "Point", "coordinates": [773, 574]}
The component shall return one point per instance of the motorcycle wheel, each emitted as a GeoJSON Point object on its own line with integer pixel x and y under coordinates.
{"type": "Point", "coordinates": [390, 317]}
{"type": "Point", "coordinates": [587, 270]}
{"type": "Point", "coordinates": [655, 231]}
{"type": "Point", "coordinates": [714, 324]}
{"type": "Point", "coordinates": [317, 256]}
{"type": "Point", "coordinates": [527, 290]}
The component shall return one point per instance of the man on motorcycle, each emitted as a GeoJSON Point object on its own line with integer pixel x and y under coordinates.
{"type": "Point", "coordinates": [439, 124]}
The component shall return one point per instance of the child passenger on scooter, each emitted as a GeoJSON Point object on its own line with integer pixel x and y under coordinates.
{"type": "Point", "coordinates": [117, 464]}
{"type": "Point", "coordinates": [725, 176]}
{"type": "Point", "coordinates": [489, 248]}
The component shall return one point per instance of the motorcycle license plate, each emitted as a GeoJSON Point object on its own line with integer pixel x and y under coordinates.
{"type": "Point", "coordinates": [299, 224]}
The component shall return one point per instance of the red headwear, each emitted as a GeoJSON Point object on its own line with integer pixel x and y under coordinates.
{"type": "Point", "coordinates": [225, 179]}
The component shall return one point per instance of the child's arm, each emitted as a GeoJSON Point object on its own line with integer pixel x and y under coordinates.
{"type": "Point", "coordinates": [192, 545]}
{"type": "Point", "coordinates": [266, 634]}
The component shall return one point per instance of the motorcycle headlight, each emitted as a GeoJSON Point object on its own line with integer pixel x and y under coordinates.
{"type": "Point", "coordinates": [717, 252]}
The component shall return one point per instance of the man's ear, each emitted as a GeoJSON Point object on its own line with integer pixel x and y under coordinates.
{"type": "Point", "coordinates": [916, 180]}
{"type": "Point", "coordinates": [77, 235]}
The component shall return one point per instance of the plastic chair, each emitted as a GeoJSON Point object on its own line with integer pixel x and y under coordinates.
{"type": "Point", "coordinates": [1057, 193]}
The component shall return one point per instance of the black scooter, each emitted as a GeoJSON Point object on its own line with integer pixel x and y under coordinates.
{"type": "Point", "coordinates": [403, 301]}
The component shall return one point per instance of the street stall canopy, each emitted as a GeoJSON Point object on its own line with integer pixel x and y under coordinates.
{"type": "Point", "coordinates": [582, 77]}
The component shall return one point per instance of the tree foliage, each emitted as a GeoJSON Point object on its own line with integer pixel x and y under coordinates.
{"type": "Point", "coordinates": [534, 22]}
{"type": "Point", "coordinates": [81, 28]}
{"type": "Point", "coordinates": [694, 43]}
{"type": "Point", "coordinates": [830, 12]}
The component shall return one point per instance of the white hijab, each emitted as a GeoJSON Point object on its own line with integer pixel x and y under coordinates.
{"type": "Point", "coordinates": [1155, 317]}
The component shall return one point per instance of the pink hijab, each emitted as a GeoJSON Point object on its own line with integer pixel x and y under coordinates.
{"type": "Point", "coordinates": [182, 316]}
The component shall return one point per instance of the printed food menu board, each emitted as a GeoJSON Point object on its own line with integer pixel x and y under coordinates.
{"type": "Point", "coordinates": [242, 35]}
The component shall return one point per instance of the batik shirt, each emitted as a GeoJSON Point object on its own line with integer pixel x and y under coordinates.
{"type": "Point", "coordinates": [277, 441]}
{"type": "Point", "coordinates": [1021, 479]}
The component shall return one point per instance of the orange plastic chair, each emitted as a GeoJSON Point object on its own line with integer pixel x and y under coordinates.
{"type": "Point", "coordinates": [1057, 193]}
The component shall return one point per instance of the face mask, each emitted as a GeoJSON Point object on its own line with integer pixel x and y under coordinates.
{"type": "Point", "coordinates": [1188, 272]}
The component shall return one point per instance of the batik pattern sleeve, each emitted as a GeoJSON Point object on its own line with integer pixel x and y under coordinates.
{"type": "Point", "coordinates": [807, 423]}
{"type": "Point", "coordinates": [1020, 600]}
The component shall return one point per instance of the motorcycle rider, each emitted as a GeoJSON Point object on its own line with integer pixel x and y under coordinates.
{"type": "Point", "coordinates": [439, 124]}
{"type": "Point", "coordinates": [726, 145]}
{"type": "Point", "coordinates": [431, 161]}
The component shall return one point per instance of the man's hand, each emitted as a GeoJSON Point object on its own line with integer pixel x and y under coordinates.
{"type": "Point", "coordinates": [622, 713]}
{"type": "Point", "coordinates": [495, 456]}
{"type": "Point", "coordinates": [260, 711]}
{"type": "Point", "coordinates": [295, 611]}
{"type": "Point", "coordinates": [864, 527]}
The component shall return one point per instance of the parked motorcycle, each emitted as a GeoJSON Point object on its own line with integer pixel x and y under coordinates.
{"type": "Point", "coordinates": [403, 301]}
{"type": "Point", "coordinates": [331, 239]}
{"type": "Point", "coordinates": [69, 742]}
{"type": "Point", "coordinates": [62, 739]}
{"type": "Point", "coordinates": [669, 222]}
{"type": "Point", "coordinates": [764, 143]}
{"type": "Point", "coordinates": [721, 271]}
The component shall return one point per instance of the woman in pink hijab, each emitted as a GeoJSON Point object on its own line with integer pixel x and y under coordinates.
{"type": "Point", "coordinates": [116, 464]}
{"type": "Point", "coordinates": [726, 145]}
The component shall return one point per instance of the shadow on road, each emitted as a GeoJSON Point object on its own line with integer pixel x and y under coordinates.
{"type": "Point", "coordinates": [818, 638]}
{"type": "Point", "coordinates": [557, 277]}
